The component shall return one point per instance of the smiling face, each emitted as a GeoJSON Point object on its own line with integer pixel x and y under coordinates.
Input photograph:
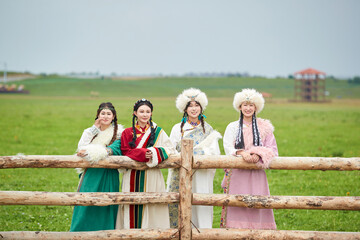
{"type": "Point", "coordinates": [248, 109]}
{"type": "Point", "coordinates": [193, 111]}
{"type": "Point", "coordinates": [106, 116]}
{"type": "Point", "coordinates": [143, 114]}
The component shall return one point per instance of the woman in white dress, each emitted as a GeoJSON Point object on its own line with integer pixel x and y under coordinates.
{"type": "Point", "coordinates": [192, 102]}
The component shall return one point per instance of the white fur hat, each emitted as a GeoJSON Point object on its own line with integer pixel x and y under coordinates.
{"type": "Point", "coordinates": [249, 95]}
{"type": "Point", "coordinates": [191, 94]}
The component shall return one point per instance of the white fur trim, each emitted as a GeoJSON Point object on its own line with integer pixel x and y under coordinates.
{"type": "Point", "coordinates": [79, 170]}
{"type": "Point", "coordinates": [154, 161]}
{"type": "Point", "coordinates": [191, 94]}
{"type": "Point", "coordinates": [119, 131]}
{"type": "Point", "coordinates": [104, 137]}
{"type": "Point", "coordinates": [249, 95]}
{"type": "Point", "coordinates": [95, 152]}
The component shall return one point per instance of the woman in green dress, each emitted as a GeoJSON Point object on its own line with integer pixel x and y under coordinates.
{"type": "Point", "coordinates": [104, 132]}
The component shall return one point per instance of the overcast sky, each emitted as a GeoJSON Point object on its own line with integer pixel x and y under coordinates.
{"type": "Point", "coordinates": [140, 37]}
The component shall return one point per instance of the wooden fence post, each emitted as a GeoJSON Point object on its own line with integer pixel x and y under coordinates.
{"type": "Point", "coordinates": [185, 189]}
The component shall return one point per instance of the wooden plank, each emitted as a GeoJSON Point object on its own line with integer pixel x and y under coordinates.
{"type": "Point", "coordinates": [185, 189]}
{"type": "Point", "coordinates": [84, 199]}
{"type": "Point", "coordinates": [217, 234]}
{"type": "Point", "coordinates": [288, 163]}
{"type": "Point", "coordinates": [108, 234]}
{"type": "Point", "coordinates": [278, 202]}
{"type": "Point", "coordinates": [205, 234]}
{"type": "Point", "coordinates": [73, 161]}
{"type": "Point", "coordinates": [200, 161]}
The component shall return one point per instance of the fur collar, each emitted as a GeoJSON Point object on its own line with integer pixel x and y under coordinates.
{"type": "Point", "coordinates": [265, 127]}
{"type": "Point", "coordinates": [104, 137]}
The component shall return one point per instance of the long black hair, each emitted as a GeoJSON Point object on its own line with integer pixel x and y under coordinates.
{"type": "Point", "coordinates": [239, 141]}
{"type": "Point", "coordinates": [138, 104]}
{"type": "Point", "coordinates": [108, 105]}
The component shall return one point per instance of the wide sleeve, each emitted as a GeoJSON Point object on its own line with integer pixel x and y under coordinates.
{"type": "Point", "coordinates": [270, 142]}
{"type": "Point", "coordinates": [215, 149]}
{"type": "Point", "coordinates": [120, 129]}
{"type": "Point", "coordinates": [210, 145]}
{"type": "Point", "coordinates": [94, 152]}
{"type": "Point", "coordinates": [87, 136]}
{"type": "Point", "coordinates": [137, 154]}
{"type": "Point", "coordinates": [162, 149]}
{"type": "Point", "coordinates": [266, 152]}
{"type": "Point", "coordinates": [115, 148]}
{"type": "Point", "coordinates": [175, 135]}
{"type": "Point", "coordinates": [229, 139]}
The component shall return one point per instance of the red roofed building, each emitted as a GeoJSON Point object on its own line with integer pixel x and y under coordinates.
{"type": "Point", "coordinates": [310, 71]}
{"type": "Point", "coordinates": [310, 85]}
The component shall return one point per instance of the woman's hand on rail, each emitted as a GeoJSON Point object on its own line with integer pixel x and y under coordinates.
{"type": "Point", "coordinates": [81, 153]}
{"type": "Point", "coordinates": [246, 156]}
{"type": "Point", "coordinates": [255, 158]}
{"type": "Point", "coordinates": [148, 155]}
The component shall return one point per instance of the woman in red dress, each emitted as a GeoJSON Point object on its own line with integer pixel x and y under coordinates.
{"type": "Point", "coordinates": [144, 142]}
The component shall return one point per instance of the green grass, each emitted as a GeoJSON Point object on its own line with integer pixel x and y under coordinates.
{"type": "Point", "coordinates": [51, 119]}
{"type": "Point", "coordinates": [170, 87]}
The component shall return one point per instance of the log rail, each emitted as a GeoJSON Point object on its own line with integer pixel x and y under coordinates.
{"type": "Point", "coordinates": [249, 201]}
{"type": "Point", "coordinates": [199, 162]}
{"type": "Point", "coordinates": [202, 234]}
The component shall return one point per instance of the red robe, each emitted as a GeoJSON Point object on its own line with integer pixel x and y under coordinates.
{"type": "Point", "coordinates": [150, 180]}
{"type": "Point", "coordinates": [137, 154]}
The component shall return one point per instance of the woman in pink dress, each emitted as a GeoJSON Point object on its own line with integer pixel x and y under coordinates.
{"type": "Point", "coordinates": [253, 139]}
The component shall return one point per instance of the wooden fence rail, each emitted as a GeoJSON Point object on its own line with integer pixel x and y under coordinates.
{"type": "Point", "coordinates": [249, 201]}
{"type": "Point", "coordinates": [84, 198]}
{"type": "Point", "coordinates": [278, 202]}
{"type": "Point", "coordinates": [108, 234]}
{"type": "Point", "coordinates": [200, 162]}
{"type": "Point", "coordinates": [186, 163]}
{"type": "Point", "coordinates": [200, 234]}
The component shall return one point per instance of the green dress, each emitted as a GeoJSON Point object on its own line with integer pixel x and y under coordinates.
{"type": "Point", "coordinates": [94, 218]}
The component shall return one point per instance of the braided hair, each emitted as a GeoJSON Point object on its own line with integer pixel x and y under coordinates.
{"type": "Point", "coordinates": [202, 121]}
{"type": "Point", "coordinates": [138, 104]}
{"type": "Point", "coordinates": [185, 116]}
{"type": "Point", "coordinates": [109, 106]}
{"type": "Point", "coordinates": [239, 141]}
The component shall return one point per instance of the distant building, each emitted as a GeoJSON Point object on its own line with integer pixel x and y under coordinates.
{"type": "Point", "coordinates": [309, 85]}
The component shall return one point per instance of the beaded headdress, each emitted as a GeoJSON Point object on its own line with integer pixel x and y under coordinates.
{"type": "Point", "coordinates": [141, 102]}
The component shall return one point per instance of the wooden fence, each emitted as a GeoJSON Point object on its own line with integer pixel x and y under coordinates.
{"type": "Point", "coordinates": [186, 163]}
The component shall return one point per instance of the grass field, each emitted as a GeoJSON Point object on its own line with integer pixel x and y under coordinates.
{"type": "Point", "coordinates": [51, 119]}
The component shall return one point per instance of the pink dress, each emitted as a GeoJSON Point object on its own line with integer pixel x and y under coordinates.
{"type": "Point", "coordinates": [253, 182]}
